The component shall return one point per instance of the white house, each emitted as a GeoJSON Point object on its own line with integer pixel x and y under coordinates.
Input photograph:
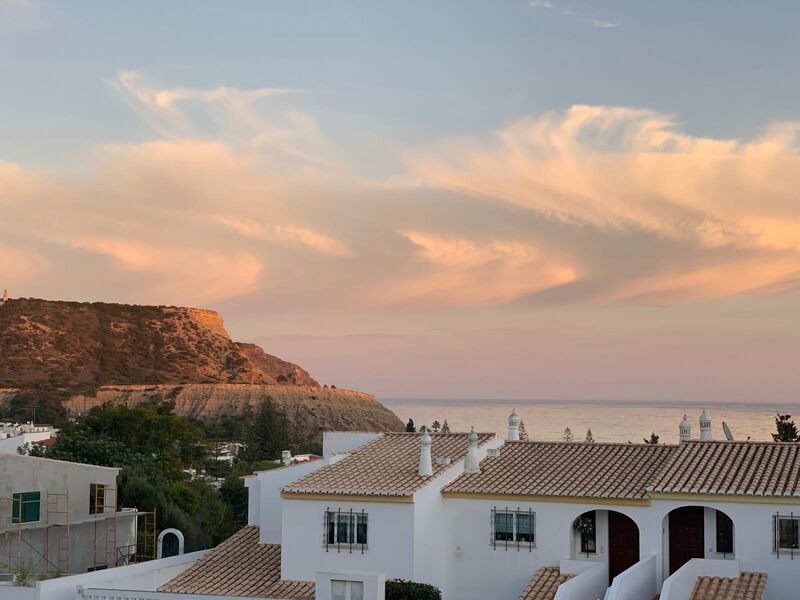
{"type": "Point", "coordinates": [60, 517]}
{"type": "Point", "coordinates": [483, 518]}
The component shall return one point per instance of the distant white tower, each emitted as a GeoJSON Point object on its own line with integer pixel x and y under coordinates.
{"type": "Point", "coordinates": [685, 430]}
{"type": "Point", "coordinates": [5, 297]}
{"type": "Point", "coordinates": [705, 427]}
{"type": "Point", "coordinates": [425, 464]}
{"type": "Point", "coordinates": [513, 427]}
{"type": "Point", "coordinates": [472, 462]}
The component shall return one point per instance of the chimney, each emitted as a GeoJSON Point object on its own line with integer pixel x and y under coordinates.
{"type": "Point", "coordinates": [705, 427]}
{"type": "Point", "coordinates": [513, 427]}
{"type": "Point", "coordinates": [685, 430]}
{"type": "Point", "coordinates": [472, 462]}
{"type": "Point", "coordinates": [425, 465]}
{"type": "Point", "coordinates": [286, 458]}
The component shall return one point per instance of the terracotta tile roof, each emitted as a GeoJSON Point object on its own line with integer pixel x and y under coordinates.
{"type": "Point", "coordinates": [240, 566]}
{"type": "Point", "coordinates": [386, 466]}
{"type": "Point", "coordinates": [748, 586]}
{"type": "Point", "coordinates": [567, 469]}
{"type": "Point", "coordinates": [544, 584]}
{"type": "Point", "coordinates": [732, 468]}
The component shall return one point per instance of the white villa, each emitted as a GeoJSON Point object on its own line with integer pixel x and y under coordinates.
{"type": "Point", "coordinates": [481, 518]}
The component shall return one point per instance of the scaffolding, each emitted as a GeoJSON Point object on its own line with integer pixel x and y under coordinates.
{"type": "Point", "coordinates": [46, 549]}
{"type": "Point", "coordinates": [56, 530]}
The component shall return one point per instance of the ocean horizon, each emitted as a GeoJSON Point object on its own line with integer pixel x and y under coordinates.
{"type": "Point", "coordinates": [609, 421]}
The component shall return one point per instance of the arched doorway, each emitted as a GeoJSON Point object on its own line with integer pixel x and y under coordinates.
{"type": "Point", "coordinates": [696, 532]}
{"type": "Point", "coordinates": [606, 532]}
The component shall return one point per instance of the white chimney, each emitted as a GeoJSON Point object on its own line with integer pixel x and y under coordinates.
{"type": "Point", "coordinates": [472, 462]}
{"type": "Point", "coordinates": [425, 465]}
{"type": "Point", "coordinates": [705, 427]}
{"type": "Point", "coordinates": [685, 430]}
{"type": "Point", "coordinates": [286, 458]}
{"type": "Point", "coordinates": [513, 427]}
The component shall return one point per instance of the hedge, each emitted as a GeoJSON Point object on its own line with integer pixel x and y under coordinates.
{"type": "Point", "coordinates": [399, 589]}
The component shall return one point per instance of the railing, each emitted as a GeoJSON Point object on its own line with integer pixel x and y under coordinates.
{"type": "Point", "coordinates": [589, 582]}
{"type": "Point", "coordinates": [680, 584]}
{"type": "Point", "coordinates": [636, 583]}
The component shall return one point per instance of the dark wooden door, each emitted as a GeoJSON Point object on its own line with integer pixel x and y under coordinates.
{"type": "Point", "coordinates": [686, 536]}
{"type": "Point", "coordinates": [623, 544]}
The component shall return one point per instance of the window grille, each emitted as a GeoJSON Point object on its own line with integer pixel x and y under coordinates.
{"type": "Point", "coordinates": [345, 530]}
{"type": "Point", "coordinates": [513, 529]}
{"type": "Point", "coordinates": [785, 534]}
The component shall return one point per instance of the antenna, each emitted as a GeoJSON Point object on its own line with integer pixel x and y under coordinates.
{"type": "Point", "coordinates": [728, 432]}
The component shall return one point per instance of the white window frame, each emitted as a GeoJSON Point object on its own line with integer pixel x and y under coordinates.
{"type": "Point", "coordinates": [349, 588]}
{"type": "Point", "coordinates": [353, 520]}
{"type": "Point", "coordinates": [515, 542]}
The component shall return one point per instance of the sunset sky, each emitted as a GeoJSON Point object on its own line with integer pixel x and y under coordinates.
{"type": "Point", "coordinates": [484, 199]}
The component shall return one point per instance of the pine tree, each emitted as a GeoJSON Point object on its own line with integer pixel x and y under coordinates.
{"type": "Point", "coordinates": [410, 426]}
{"type": "Point", "coordinates": [567, 435]}
{"type": "Point", "coordinates": [787, 430]}
{"type": "Point", "coordinates": [589, 437]}
{"type": "Point", "coordinates": [653, 439]}
{"type": "Point", "coordinates": [523, 434]}
{"type": "Point", "coordinates": [267, 435]}
{"type": "Point", "coordinates": [445, 427]}
{"type": "Point", "coordinates": [436, 427]}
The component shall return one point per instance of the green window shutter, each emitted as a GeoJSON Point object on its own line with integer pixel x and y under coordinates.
{"type": "Point", "coordinates": [30, 502]}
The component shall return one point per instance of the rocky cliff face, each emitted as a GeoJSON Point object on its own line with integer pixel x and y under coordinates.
{"type": "Point", "coordinates": [316, 409]}
{"type": "Point", "coordinates": [91, 353]}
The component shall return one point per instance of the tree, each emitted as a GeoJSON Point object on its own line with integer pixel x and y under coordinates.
{"type": "Point", "coordinates": [445, 427]}
{"type": "Point", "coordinates": [653, 439]}
{"type": "Point", "coordinates": [787, 430]}
{"type": "Point", "coordinates": [589, 437]}
{"type": "Point", "coordinates": [410, 426]}
{"type": "Point", "coordinates": [523, 433]}
{"type": "Point", "coordinates": [267, 435]}
{"type": "Point", "coordinates": [567, 435]}
{"type": "Point", "coordinates": [436, 427]}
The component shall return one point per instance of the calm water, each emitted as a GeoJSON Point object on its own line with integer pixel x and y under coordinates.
{"type": "Point", "coordinates": [609, 421]}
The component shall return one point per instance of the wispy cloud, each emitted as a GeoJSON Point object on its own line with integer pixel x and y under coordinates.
{"type": "Point", "coordinates": [550, 6]}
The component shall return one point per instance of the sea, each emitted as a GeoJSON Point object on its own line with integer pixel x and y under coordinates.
{"type": "Point", "coordinates": [546, 420]}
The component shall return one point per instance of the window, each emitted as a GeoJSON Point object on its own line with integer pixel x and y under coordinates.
{"type": "Point", "coordinates": [347, 590]}
{"type": "Point", "coordinates": [97, 498]}
{"type": "Point", "coordinates": [513, 528]}
{"type": "Point", "coordinates": [724, 533]}
{"type": "Point", "coordinates": [586, 525]}
{"type": "Point", "coordinates": [345, 529]}
{"type": "Point", "coordinates": [26, 505]}
{"type": "Point", "coordinates": [786, 533]}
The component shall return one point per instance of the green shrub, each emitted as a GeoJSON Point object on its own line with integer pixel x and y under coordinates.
{"type": "Point", "coordinates": [399, 589]}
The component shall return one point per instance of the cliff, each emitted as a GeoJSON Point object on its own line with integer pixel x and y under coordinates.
{"type": "Point", "coordinates": [89, 353]}
{"type": "Point", "coordinates": [316, 409]}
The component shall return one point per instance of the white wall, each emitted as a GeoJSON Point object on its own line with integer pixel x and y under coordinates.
{"type": "Point", "coordinates": [142, 576]}
{"type": "Point", "coordinates": [638, 582]}
{"type": "Point", "coordinates": [390, 539]}
{"type": "Point", "coordinates": [266, 491]}
{"type": "Point", "coordinates": [680, 584]}
{"type": "Point", "coordinates": [481, 571]}
{"type": "Point", "coordinates": [10, 444]}
{"type": "Point", "coordinates": [337, 442]}
{"type": "Point", "coordinates": [752, 522]}
{"type": "Point", "coordinates": [30, 474]}
{"type": "Point", "coordinates": [589, 583]}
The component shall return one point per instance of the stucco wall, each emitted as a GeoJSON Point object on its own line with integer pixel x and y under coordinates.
{"type": "Point", "coordinates": [390, 540]}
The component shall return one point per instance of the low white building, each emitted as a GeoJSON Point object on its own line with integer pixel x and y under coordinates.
{"type": "Point", "coordinates": [14, 435]}
{"type": "Point", "coordinates": [60, 517]}
{"type": "Point", "coordinates": [483, 518]}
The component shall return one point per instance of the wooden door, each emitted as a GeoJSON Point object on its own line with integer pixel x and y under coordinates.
{"type": "Point", "coordinates": [623, 544]}
{"type": "Point", "coordinates": [686, 536]}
